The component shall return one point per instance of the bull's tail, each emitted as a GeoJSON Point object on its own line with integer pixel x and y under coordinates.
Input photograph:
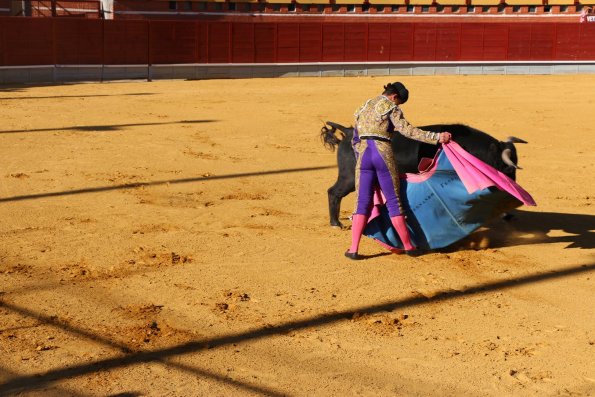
{"type": "Point", "coordinates": [329, 139]}
{"type": "Point", "coordinates": [329, 136]}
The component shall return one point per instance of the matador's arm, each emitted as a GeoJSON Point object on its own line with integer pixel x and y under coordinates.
{"type": "Point", "coordinates": [403, 126]}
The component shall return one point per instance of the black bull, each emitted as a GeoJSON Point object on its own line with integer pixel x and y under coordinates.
{"type": "Point", "coordinates": [499, 154]}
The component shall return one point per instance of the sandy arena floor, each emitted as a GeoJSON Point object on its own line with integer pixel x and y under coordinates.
{"type": "Point", "coordinates": [172, 239]}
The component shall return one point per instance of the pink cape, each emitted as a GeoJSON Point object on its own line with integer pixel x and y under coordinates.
{"type": "Point", "coordinates": [477, 175]}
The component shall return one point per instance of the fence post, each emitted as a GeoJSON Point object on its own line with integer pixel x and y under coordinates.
{"type": "Point", "coordinates": [207, 43]}
{"type": "Point", "coordinates": [54, 49]}
{"type": "Point", "coordinates": [197, 37]}
{"type": "Point", "coordinates": [299, 54]}
{"type": "Point", "coordinates": [412, 39]}
{"type": "Point", "coordinates": [149, 51]}
{"type": "Point", "coordinates": [102, 48]}
{"type": "Point", "coordinates": [461, 43]}
{"type": "Point", "coordinates": [230, 42]}
{"type": "Point", "coordinates": [555, 43]}
{"type": "Point", "coordinates": [4, 47]}
{"type": "Point", "coordinates": [276, 44]}
{"type": "Point", "coordinates": [321, 25]}
{"type": "Point", "coordinates": [367, 46]}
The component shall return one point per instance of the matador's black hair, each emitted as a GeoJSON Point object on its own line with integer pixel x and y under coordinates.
{"type": "Point", "coordinates": [397, 88]}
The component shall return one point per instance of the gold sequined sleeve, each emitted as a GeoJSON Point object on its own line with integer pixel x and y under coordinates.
{"type": "Point", "coordinates": [403, 126]}
{"type": "Point", "coordinates": [359, 110]}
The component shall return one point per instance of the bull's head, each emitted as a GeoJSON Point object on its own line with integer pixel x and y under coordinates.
{"type": "Point", "coordinates": [509, 156]}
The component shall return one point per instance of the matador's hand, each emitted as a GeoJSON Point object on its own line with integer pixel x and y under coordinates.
{"type": "Point", "coordinates": [445, 137]}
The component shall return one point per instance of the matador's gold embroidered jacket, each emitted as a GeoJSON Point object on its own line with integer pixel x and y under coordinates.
{"type": "Point", "coordinates": [374, 117]}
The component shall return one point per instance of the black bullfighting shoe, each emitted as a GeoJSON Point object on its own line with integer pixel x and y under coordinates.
{"type": "Point", "coordinates": [414, 253]}
{"type": "Point", "coordinates": [353, 255]}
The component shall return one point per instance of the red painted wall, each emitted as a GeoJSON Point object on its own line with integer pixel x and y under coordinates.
{"type": "Point", "coordinates": [42, 41]}
{"type": "Point", "coordinates": [27, 41]}
{"type": "Point", "coordinates": [126, 42]}
{"type": "Point", "coordinates": [78, 41]}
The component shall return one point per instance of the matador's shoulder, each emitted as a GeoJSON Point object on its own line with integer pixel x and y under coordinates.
{"type": "Point", "coordinates": [384, 106]}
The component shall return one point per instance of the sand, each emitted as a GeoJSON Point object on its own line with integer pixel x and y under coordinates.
{"type": "Point", "coordinates": [172, 239]}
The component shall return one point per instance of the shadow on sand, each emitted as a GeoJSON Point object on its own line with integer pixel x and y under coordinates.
{"type": "Point", "coordinates": [27, 383]}
{"type": "Point", "coordinates": [164, 182]}
{"type": "Point", "coordinates": [68, 96]}
{"type": "Point", "coordinates": [104, 128]}
{"type": "Point", "coordinates": [533, 227]}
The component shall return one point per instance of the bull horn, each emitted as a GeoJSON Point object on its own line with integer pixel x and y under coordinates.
{"type": "Point", "coordinates": [514, 139]}
{"type": "Point", "coordinates": [506, 158]}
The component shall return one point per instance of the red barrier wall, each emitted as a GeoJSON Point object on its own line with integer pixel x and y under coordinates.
{"type": "Point", "coordinates": [2, 46]}
{"type": "Point", "coordinates": [173, 42]}
{"type": "Point", "coordinates": [587, 41]}
{"type": "Point", "coordinates": [125, 42]}
{"type": "Point", "coordinates": [42, 41]}
{"type": "Point", "coordinates": [265, 42]}
{"type": "Point", "coordinates": [27, 41]}
{"type": "Point", "coordinates": [78, 41]}
{"type": "Point", "coordinates": [288, 42]}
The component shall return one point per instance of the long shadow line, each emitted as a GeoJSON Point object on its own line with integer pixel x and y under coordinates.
{"type": "Point", "coordinates": [40, 380]}
{"type": "Point", "coordinates": [223, 379]}
{"type": "Point", "coordinates": [106, 127]}
{"type": "Point", "coordinates": [53, 321]}
{"type": "Point", "coordinates": [73, 96]}
{"type": "Point", "coordinates": [61, 391]}
{"type": "Point", "coordinates": [52, 285]}
{"type": "Point", "coordinates": [156, 183]}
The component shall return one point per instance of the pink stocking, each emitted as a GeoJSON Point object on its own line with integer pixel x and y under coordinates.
{"type": "Point", "coordinates": [358, 225]}
{"type": "Point", "coordinates": [399, 224]}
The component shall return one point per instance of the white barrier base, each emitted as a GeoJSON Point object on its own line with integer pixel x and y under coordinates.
{"type": "Point", "coordinates": [74, 73]}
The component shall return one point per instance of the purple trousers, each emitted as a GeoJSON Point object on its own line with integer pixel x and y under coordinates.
{"type": "Point", "coordinates": [375, 168]}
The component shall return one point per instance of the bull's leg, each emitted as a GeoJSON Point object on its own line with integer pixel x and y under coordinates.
{"type": "Point", "coordinates": [335, 194]}
{"type": "Point", "coordinates": [345, 181]}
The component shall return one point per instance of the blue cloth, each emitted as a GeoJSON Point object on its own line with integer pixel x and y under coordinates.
{"type": "Point", "coordinates": [439, 209]}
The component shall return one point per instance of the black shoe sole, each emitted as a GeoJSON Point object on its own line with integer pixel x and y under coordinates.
{"type": "Point", "coordinates": [353, 255]}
